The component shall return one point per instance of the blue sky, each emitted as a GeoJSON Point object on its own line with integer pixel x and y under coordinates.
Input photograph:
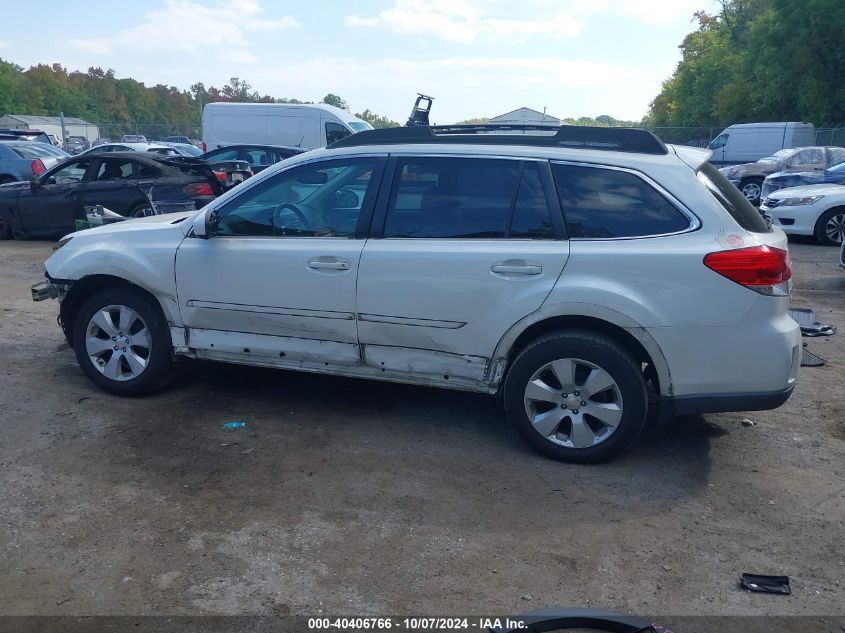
{"type": "Point", "coordinates": [476, 57]}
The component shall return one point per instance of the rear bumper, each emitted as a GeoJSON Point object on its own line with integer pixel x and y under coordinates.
{"type": "Point", "coordinates": [674, 406]}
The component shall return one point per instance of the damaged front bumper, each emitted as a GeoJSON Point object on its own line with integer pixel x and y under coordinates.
{"type": "Point", "coordinates": [44, 290]}
{"type": "Point", "coordinates": [50, 289]}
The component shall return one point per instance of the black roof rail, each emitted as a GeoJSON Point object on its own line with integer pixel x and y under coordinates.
{"type": "Point", "coordinates": [614, 139]}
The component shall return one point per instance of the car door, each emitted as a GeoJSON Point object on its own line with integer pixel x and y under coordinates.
{"type": "Point", "coordinates": [277, 278]}
{"type": "Point", "coordinates": [53, 203]}
{"type": "Point", "coordinates": [113, 184]}
{"type": "Point", "coordinates": [466, 247]}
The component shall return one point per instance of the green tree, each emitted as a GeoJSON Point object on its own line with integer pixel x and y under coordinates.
{"type": "Point", "coordinates": [336, 101]}
{"type": "Point", "coordinates": [376, 120]}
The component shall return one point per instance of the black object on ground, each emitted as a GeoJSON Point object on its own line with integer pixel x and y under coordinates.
{"type": "Point", "coordinates": [766, 584]}
{"type": "Point", "coordinates": [806, 320]}
{"type": "Point", "coordinates": [808, 359]}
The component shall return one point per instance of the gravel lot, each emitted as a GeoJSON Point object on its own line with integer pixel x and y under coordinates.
{"type": "Point", "coordinates": [343, 496]}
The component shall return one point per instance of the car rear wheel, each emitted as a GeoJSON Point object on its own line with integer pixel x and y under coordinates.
{"type": "Point", "coordinates": [830, 227]}
{"type": "Point", "coordinates": [141, 210]}
{"type": "Point", "coordinates": [122, 342]}
{"type": "Point", "coordinates": [576, 396]}
{"type": "Point", "coordinates": [751, 188]}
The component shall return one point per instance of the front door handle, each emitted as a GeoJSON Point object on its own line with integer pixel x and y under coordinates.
{"type": "Point", "coordinates": [328, 264]}
{"type": "Point", "coordinates": [517, 269]}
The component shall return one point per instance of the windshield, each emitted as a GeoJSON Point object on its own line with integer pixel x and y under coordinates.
{"type": "Point", "coordinates": [778, 156]}
{"type": "Point", "coordinates": [359, 126]}
{"type": "Point", "coordinates": [188, 150]}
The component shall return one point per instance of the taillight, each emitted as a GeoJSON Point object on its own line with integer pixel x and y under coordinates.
{"type": "Point", "coordinates": [204, 150]}
{"type": "Point", "coordinates": [37, 167]}
{"type": "Point", "coordinates": [763, 269]}
{"type": "Point", "coordinates": [199, 189]}
{"type": "Point", "coordinates": [220, 175]}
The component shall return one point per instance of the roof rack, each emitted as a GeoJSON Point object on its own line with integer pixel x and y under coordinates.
{"type": "Point", "coordinates": [613, 139]}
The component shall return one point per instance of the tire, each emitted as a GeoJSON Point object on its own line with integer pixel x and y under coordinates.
{"type": "Point", "coordinates": [5, 228]}
{"type": "Point", "coordinates": [751, 188]}
{"type": "Point", "coordinates": [142, 364]}
{"type": "Point", "coordinates": [140, 210]}
{"type": "Point", "coordinates": [830, 227]}
{"type": "Point", "coordinates": [560, 430]}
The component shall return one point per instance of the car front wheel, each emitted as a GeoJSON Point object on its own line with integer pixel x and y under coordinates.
{"type": "Point", "coordinates": [751, 189]}
{"type": "Point", "coordinates": [576, 396]}
{"type": "Point", "coordinates": [122, 342]}
{"type": "Point", "coordinates": [830, 228]}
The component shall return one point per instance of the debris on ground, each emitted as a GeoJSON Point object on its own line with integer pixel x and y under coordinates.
{"type": "Point", "coordinates": [808, 359]}
{"type": "Point", "coordinates": [234, 425]}
{"type": "Point", "coordinates": [806, 320]}
{"type": "Point", "coordinates": [766, 584]}
{"type": "Point", "coordinates": [747, 422]}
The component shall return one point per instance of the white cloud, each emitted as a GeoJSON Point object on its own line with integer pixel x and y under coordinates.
{"type": "Point", "coordinates": [464, 22]}
{"type": "Point", "coordinates": [184, 25]}
{"type": "Point", "coordinates": [4, 44]}
{"type": "Point", "coordinates": [461, 21]}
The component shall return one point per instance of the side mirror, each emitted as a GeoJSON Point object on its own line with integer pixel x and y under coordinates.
{"type": "Point", "coordinates": [205, 224]}
{"type": "Point", "coordinates": [313, 178]}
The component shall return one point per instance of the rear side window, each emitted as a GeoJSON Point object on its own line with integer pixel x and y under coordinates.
{"type": "Point", "coordinates": [732, 200]}
{"type": "Point", "coordinates": [466, 198]}
{"type": "Point", "coordinates": [608, 203]}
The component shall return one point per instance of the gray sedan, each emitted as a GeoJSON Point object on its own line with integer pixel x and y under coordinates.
{"type": "Point", "coordinates": [21, 160]}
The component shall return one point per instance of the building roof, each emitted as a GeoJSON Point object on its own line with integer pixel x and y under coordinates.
{"type": "Point", "coordinates": [523, 113]}
{"type": "Point", "coordinates": [31, 119]}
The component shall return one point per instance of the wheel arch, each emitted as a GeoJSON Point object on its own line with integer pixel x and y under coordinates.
{"type": "Point", "coordinates": [633, 337]}
{"type": "Point", "coordinates": [80, 290]}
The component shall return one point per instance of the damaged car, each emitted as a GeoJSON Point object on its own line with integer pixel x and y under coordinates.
{"type": "Point", "coordinates": [583, 278]}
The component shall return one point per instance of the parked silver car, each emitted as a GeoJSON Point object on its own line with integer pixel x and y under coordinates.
{"type": "Point", "coordinates": [21, 160]}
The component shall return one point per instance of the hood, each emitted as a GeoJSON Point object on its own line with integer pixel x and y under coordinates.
{"type": "Point", "coordinates": [152, 223]}
{"type": "Point", "coordinates": [808, 176]}
{"type": "Point", "coordinates": [809, 190]}
{"type": "Point", "coordinates": [752, 169]}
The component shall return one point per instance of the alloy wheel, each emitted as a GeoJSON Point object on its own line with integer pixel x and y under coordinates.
{"type": "Point", "coordinates": [834, 228]}
{"type": "Point", "coordinates": [573, 402]}
{"type": "Point", "coordinates": [118, 342]}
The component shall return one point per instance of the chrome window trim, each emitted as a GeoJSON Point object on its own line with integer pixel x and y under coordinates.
{"type": "Point", "coordinates": [694, 221]}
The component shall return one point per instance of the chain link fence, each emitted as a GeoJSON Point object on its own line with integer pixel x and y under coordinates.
{"type": "Point", "coordinates": [151, 131]}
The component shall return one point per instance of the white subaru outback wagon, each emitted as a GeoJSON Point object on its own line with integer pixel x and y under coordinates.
{"type": "Point", "coordinates": [582, 276]}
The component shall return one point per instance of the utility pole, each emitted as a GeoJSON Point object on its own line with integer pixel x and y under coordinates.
{"type": "Point", "coordinates": [62, 122]}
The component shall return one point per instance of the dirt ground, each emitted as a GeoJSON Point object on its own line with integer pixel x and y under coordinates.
{"type": "Point", "coordinates": [344, 496]}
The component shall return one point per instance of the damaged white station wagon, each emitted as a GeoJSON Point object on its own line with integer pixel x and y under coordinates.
{"type": "Point", "coordinates": [583, 275]}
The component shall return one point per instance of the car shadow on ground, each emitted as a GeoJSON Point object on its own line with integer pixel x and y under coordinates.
{"type": "Point", "coordinates": [312, 431]}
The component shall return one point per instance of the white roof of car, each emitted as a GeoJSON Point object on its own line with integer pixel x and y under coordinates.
{"type": "Point", "coordinates": [135, 147]}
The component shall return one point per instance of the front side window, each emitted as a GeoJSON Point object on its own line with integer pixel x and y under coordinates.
{"type": "Point", "coordinates": [608, 203]}
{"type": "Point", "coordinates": [335, 132]}
{"type": "Point", "coordinates": [467, 198]}
{"type": "Point", "coordinates": [323, 199]}
{"type": "Point", "coordinates": [68, 174]}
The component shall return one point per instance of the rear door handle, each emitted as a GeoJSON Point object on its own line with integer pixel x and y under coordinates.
{"type": "Point", "coordinates": [517, 269]}
{"type": "Point", "coordinates": [328, 264]}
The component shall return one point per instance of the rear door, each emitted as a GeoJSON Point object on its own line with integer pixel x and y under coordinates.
{"type": "Point", "coordinates": [463, 248]}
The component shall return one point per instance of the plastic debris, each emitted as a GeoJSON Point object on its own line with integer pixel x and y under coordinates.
{"type": "Point", "coordinates": [234, 425]}
{"type": "Point", "coordinates": [747, 422]}
{"type": "Point", "coordinates": [766, 584]}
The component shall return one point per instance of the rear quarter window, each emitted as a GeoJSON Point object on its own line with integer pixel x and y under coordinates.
{"type": "Point", "coordinates": [732, 200]}
{"type": "Point", "coordinates": [601, 203]}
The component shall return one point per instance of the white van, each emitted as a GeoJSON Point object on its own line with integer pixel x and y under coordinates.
{"type": "Point", "coordinates": [749, 142]}
{"type": "Point", "coordinates": [302, 125]}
